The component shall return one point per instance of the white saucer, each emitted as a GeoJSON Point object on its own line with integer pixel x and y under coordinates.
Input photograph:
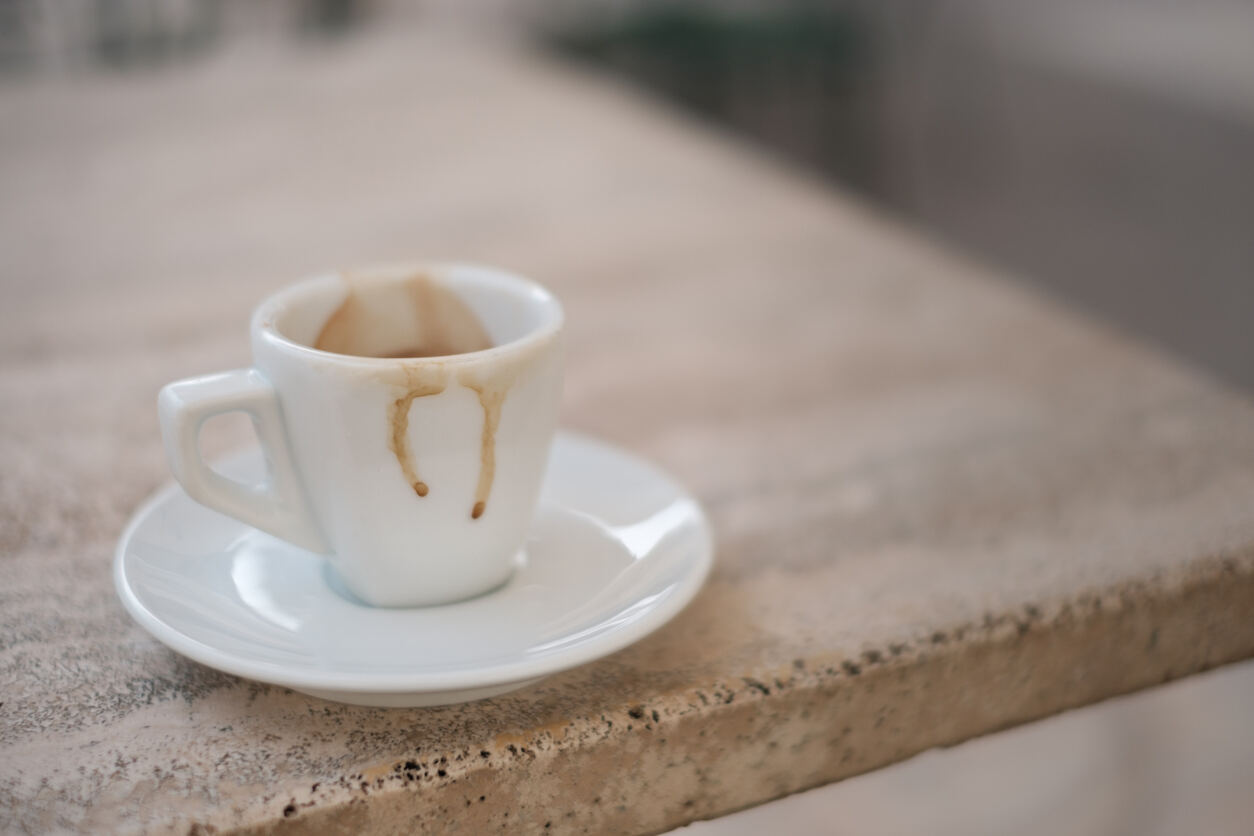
{"type": "Point", "coordinates": [616, 550]}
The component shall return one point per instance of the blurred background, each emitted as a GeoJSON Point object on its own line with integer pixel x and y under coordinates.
{"type": "Point", "coordinates": [1102, 151]}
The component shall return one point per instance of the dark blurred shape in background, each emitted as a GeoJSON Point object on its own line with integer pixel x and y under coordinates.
{"type": "Point", "coordinates": [799, 78]}
{"type": "Point", "coordinates": [48, 35]}
{"type": "Point", "coordinates": [1103, 149]}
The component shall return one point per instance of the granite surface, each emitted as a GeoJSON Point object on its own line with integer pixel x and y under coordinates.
{"type": "Point", "coordinates": [943, 505]}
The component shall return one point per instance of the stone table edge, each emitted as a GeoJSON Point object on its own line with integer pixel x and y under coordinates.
{"type": "Point", "coordinates": [830, 715]}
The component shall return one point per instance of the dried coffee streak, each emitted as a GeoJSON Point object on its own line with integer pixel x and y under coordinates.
{"type": "Point", "coordinates": [398, 417]}
{"type": "Point", "coordinates": [445, 326]}
{"type": "Point", "coordinates": [490, 399]}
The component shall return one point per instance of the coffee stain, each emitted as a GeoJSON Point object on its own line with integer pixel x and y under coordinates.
{"type": "Point", "coordinates": [344, 321]}
{"type": "Point", "coordinates": [426, 381]}
{"type": "Point", "coordinates": [422, 382]}
{"type": "Point", "coordinates": [418, 317]}
{"type": "Point", "coordinates": [414, 317]}
{"type": "Point", "coordinates": [491, 398]}
{"type": "Point", "coordinates": [492, 384]}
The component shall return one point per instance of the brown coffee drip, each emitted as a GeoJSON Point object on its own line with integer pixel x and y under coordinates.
{"type": "Point", "coordinates": [419, 318]}
{"type": "Point", "coordinates": [421, 385]}
{"type": "Point", "coordinates": [432, 380]}
{"type": "Point", "coordinates": [491, 397]}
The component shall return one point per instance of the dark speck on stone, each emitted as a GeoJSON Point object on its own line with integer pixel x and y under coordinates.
{"type": "Point", "coordinates": [851, 668]}
{"type": "Point", "coordinates": [484, 753]}
{"type": "Point", "coordinates": [441, 773]}
{"type": "Point", "coordinates": [289, 810]}
{"type": "Point", "coordinates": [757, 686]}
{"type": "Point", "coordinates": [656, 718]}
{"type": "Point", "coordinates": [636, 711]}
{"type": "Point", "coordinates": [872, 657]}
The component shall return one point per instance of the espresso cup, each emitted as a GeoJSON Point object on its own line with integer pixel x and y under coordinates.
{"type": "Point", "coordinates": [405, 415]}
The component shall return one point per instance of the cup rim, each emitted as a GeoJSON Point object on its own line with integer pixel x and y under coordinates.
{"type": "Point", "coordinates": [264, 315]}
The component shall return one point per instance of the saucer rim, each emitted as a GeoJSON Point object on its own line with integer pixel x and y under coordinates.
{"type": "Point", "coordinates": [519, 671]}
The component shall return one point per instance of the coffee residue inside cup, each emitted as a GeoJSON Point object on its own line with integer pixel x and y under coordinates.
{"type": "Point", "coordinates": [416, 317]}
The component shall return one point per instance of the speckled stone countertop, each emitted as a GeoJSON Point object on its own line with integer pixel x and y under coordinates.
{"type": "Point", "coordinates": [943, 505]}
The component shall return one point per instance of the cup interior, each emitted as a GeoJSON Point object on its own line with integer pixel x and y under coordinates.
{"type": "Point", "coordinates": [410, 311]}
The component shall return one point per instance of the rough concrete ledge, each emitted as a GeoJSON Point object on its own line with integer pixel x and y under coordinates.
{"type": "Point", "coordinates": [680, 757]}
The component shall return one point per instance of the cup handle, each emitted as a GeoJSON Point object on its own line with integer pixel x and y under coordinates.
{"type": "Point", "coordinates": [278, 507]}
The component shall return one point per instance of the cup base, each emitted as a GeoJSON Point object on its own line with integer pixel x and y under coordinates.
{"type": "Point", "coordinates": [340, 587]}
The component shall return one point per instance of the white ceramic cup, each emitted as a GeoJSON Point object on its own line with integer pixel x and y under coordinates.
{"type": "Point", "coordinates": [416, 477]}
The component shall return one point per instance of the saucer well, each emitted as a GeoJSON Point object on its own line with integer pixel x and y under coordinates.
{"type": "Point", "coordinates": [616, 550]}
